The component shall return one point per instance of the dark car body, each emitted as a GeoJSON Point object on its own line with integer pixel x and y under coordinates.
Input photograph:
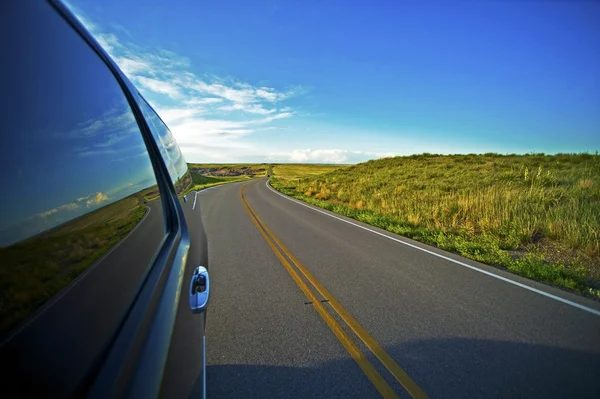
{"type": "Point", "coordinates": [101, 239]}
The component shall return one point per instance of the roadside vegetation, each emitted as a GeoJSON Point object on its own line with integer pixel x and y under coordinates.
{"type": "Point", "coordinates": [229, 170]}
{"type": "Point", "coordinates": [201, 181]}
{"type": "Point", "coordinates": [206, 175]}
{"type": "Point", "coordinates": [535, 215]}
{"type": "Point", "coordinates": [209, 175]}
{"type": "Point", "coordinates": [229, 166]}
{"type": "Point", "coordinates": [299, 171]}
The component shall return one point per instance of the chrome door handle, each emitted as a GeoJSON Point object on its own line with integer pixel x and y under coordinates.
{"type": "Point", "coordinates": [199, 290]}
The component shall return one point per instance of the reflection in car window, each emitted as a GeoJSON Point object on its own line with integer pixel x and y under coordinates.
{"type": "Point", "coordinates": [75, 174]}
{"type": "Point", "coordinates": [169, 150]}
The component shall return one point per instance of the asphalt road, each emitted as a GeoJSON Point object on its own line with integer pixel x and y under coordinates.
{"type": "Point", "coordinates": [440, 326]}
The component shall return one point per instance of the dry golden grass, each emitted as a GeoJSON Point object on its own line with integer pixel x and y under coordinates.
{"type": "Point", "coordinates": [486, 207]}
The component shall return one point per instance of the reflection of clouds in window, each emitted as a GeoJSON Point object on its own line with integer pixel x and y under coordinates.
{"type": "Point", "coordinates": [60, 214]}
{"type": "Point", "coordinates": [117, 121]}
{"type": "Point", "coordinates": [142, 178]}
{"type": "Point", "coordinates": [53, 217]}
{"type": "Point", "coordinates": [169, 150]}
{"type": "Point", "coordinates": [96, 199]}
{"type": "Point", "coordinates": [179, 165]}
{"type": "Point", "coordinates": [142, 153]}
{"type": "Point", "coordinates": [93, 150]}
{"type": "Point", "coordinates": [112, 133]}
{"type": "Point", "coordinates": [132, 187]}
{"type": "Point", "coordinates": [82, 203]}
{"type": "Point", "coordinates": [114, 119]}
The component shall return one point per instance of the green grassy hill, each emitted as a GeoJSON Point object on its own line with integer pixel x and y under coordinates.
{"type": "Point", "coordinates": [535, 215]}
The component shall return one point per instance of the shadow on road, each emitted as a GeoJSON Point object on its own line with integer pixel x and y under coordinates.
{"type": "Point", "coordinates": [450, 368]}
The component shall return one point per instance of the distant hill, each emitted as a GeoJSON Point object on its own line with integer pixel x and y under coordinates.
{"type": "Point", "coordinates": [228, 170]}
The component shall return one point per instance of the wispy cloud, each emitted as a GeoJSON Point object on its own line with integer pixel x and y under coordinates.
{"type": "Point", "coordinates": [117, 120]}
{"type": "Point", "coordinates": [45, 220]}
{"type": "Point", "coordinates": [200, 110]}
{"type": "Point", "coordinates": [214, 118]}
{"type": "Point", "coordinates": [326, 156]}
{"type": "Point", "coordinates": [114, 132]}
{"type": "Point", "coordinates": [62, 211]}
{"type": "Point", "coordinates": [159, 86]}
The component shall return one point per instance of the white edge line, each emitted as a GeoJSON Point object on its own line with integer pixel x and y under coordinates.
{"type": "Point", "coordinates": [507, 280]}
{"type": "Point", "coordinates": [73, 283]}
{"type": "Point", "coordinates": [202, 190]}
{"type": "Point", "coordinates": [209, 188]}
{"type": "Point", "coordinates": [204, 367]}
{"type": "Point", "coordinates": [195, 197]}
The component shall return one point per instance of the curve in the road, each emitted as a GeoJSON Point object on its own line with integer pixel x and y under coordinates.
{"type": "Point", "coordinates": [507, 280]}
{"type": "Point", "coordinates": [400, 375]}
{"type": "Point", "coordinates": [454, 332]}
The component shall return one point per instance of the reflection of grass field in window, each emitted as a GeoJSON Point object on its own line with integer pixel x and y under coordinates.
{"type": "Point", "coordinates": [35, 269]}
{"type": "Point", "coordinates": [535, 215]}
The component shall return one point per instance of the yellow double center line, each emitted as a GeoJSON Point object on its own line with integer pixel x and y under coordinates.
{"type": "Point", "coordinates": [376, 379]}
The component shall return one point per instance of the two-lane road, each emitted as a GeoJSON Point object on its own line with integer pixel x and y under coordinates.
{"type": "Point", "coordinates": [309, 305]}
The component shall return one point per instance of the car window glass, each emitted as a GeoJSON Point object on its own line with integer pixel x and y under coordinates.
{"type": "Point", "coordinates": [169, 150]}
{"type": "Point", "coordinates": [80, 212]}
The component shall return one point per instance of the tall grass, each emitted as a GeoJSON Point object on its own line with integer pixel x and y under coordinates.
{"type": "Point", "coordinates": [290, 171]}
{"type": "Point", "coordinates": [536, 215]}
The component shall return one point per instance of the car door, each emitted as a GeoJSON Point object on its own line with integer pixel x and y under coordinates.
{"type": "Point", "coordinates": [185, 356]}
{"type": "Point", "coordinates": [101, 293]}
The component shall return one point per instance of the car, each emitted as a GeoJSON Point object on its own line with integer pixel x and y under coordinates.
{"type": "Point", "coordinates": [104, 280]}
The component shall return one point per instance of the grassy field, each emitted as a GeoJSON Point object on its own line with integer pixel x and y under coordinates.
{"type": "Point", "coordinates": [284, 171]}
{"type": "Point", "coordinates": [200, 181]}
{"type": "Point", "coordinates": [535, 215]}
{"type": "Point", "coordinates": [228, 166]}
{"type": "Point", "coordinates": [36, 269]}
{"type": "Point", "coordinates": [300, 171]}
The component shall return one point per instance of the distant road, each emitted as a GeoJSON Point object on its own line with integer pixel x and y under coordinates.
{"type": "Point", "coordinates": [308, 305]}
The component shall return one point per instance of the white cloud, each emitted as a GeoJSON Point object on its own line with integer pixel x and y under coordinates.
{"type": "Point", "coordinates": [201, 110]}
{"type": "Point", "coordinates": [202, 100]}
{"type": "Point", "coordinates": [250, 108]}
{"type": "Point", "coordinates": [326, 156]}
{"type": "Point", "coordinates": [281, 115]}
{"type": "Point", "coordinates": [173, 115]}
{"type": "Point", "coordinates": [130, 66]}
{"type": "Point", "coordinates": [190, 130]}
{"type": "Point", "coordinates": [159, 86]}
{"type": "Point", "coordinates": [107, 41]}
{"type": "Point", "coordinates": [268, 94]}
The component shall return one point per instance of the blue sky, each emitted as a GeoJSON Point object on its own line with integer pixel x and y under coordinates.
{"type": "Point", "coordinates": [291, 81]}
